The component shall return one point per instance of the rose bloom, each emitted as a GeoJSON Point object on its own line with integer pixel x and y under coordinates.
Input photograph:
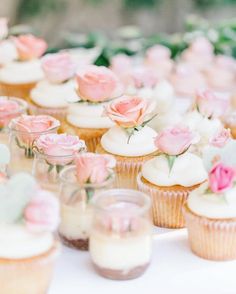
{"type": "Point", "coordinates": [58, 67]}
{"type": "Point", "coordinates": [30, 127]}
{"type": "Point", "coordinates": [121, 63]}
{"type": "Point", "coordinates": [174, 141]}
{"type": "Point", "coordinates": [96, 83]}
{"type": "Point", "coordinates": [42, 213]}
{"type": "Point", "coordinates": [129, 111]}
{"type": "Point", "coordinates": [10, 109]}
{"type": "Point", "coordinates": [29, 46]}
{"type": "Point", "coordinates": [210, 104]}
{"type": "Point", "coordinates": [221, 178]}
{"type": "Point", "coordinates": [60, 149]}
{"type": "Point", "coordinates": [144, 77]}
{"type": "Point", "coordinates": [93, 168]}
{"type": "Point", "coordinates": [3, 27]}
{"type": "Point", "coordinates": [221, 138]}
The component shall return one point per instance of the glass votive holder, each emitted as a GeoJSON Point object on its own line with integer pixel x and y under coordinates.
{"type": "Point", "coordinates": [76, 210]}
{"type": "Point", "coordinates": [121, 234]}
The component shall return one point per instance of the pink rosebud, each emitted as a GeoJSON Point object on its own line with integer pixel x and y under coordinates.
{"type": "Point", "coordinates": [144, 77]}
{"type": "Point", "coordinates": [61, 149]}
{"type": "Point", "coordinates": [174, 141]}
{"type": "Point", "coordinates": [129, 111]}
{"type": "Point", "coordinates": [93, 168]}
{"type": "Point", "coordinates": [121, 63]}
{"type": "Point", "coordinates": [202, 45]}
{"type": "Point", "coordinates": [221, 138]}
{"type": "Point", "coordinates": [96, 83]}
{"type": "Point", "coordinates": [29, 47]}
{"type": "Point", "coordinates": [221, 178]}
{"type": "Point", "coordinates": [211, 105]}
{"type": "Point", "coordinates": [157, 53]}
{"type": "Point", "coordinates": [3, 27]}
{"type": "Point", "coordinates": [42, 213]}
{"type": "Point", "coordinates": [58, 67]}
{"type": "Point", "coordinates": [30, 127]}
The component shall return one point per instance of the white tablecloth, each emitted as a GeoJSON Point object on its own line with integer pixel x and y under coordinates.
{"type": "Point", "coordinates": [174, 269]}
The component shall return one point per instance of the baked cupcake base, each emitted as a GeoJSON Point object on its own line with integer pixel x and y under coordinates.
{"type": "Point", "coordinates": [92, 137]}
{"type": "Point", "coordinates": [16, 90]}
{"type": "Point", "coordinates": [127, 168]}
{"type": "Point", "coordinates": [213, 239]}
{"type": "Point", "coordinates": [29, 275]}
{"type": "Point", "coordinates": [167, 203]}
{"type": "Point", "coordinates": [80, 244]}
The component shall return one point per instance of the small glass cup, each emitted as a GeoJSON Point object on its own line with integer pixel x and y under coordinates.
{"type": "Point", "coordinates": [21, 147]}
{"type": "Point", "coordinates": [121, 234]}
{"type": "Point", "coordinates": [76, 210]}
{"type": "Point", "coordinates": [6, 116]}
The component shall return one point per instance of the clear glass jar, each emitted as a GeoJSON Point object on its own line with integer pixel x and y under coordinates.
{"type": "Point", "coordinates": [121, 234]}
{"type": "Point", "coordinates": [21, 145]}
{"type": "Point", "coordinates": [76, 210]}
{"type": "Point", "coordinates": [6, 116]}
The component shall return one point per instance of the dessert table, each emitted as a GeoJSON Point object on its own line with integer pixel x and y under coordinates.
{"type": "Point", "coordinates": [174, 269]}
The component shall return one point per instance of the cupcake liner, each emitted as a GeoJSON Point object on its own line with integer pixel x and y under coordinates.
{"type": "Point", "coordinates": [92, 137]}
{"type": "Point", "coordinates": [18, 90]}
{"type": "Point", "coordinates": [167, 203]}
{"type": "Point", "coordinates": [211, 238]}
{"type": "Point", "coordinates": [29, 275]}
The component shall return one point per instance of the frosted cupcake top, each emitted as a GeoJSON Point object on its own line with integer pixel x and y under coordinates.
{"type": "Point", "coordinates": [131, 136]}
{"type": "Point", "coordinates": [28, 216]}
{"type": "Point", "coordinates": [175, 166]}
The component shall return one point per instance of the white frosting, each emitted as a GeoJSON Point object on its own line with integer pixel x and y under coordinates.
{"type": "Point", "coordinates": [82, 56]}
{"type": "Point", "coordinates": [75, 221]}
{"type": "Point", "coordinates": [115, 141]}
{"type": "Point", "coordinates": [213, 205]}
{"type": "Point", "coordinates": [21, 72]}
{"type": "Point", "coordinates": [8, 52]}
{"type": "Point", "coordinates": [120, 253]}
{"type": "Point", "coordinates": [84, 115]}
{"type": "Point", "coordinates": [16, 242]}
{"type": "Point", "coordinates": [50, 95]}
{"type": "Point", "coordinates": [187, 171]}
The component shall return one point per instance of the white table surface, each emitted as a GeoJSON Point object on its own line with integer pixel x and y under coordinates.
{"type": "Point", "coordinates": [174, 269]}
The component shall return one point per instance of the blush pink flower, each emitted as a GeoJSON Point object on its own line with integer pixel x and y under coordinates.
{"type": "Point", "coordinates": [3, 27]}
{"type": "Point", "coordinates": [121, 63]}
{"type": "Point", "coordinates": [42, 213]}
{"type": "Point", "coordinates": [59, 67]}
{"type": "Point", "coordinates": [221, 178]}
{"type": "Point", "coordinates": [221, 138]}
{"type": "Point", "coordinates": [174, 141]}
{"type": "Point", "coordinates": [96, 83]}
{"type": "Point", "coordinates": [129, 111]}
{"type": "Point", "coordinates": [210, 104]}
{"type": "Point", "coordinates": [93, 168]}
{"type": "Point", "coordinates": [60, 149]}
{"type": "Point", "coordinates": [144, 77]}
{"type": "Point", "coordinates": [29, 46]}
{"type": "Point", "coordinates": [30, 127]}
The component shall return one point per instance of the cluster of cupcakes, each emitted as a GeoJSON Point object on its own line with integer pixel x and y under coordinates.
{"type": "Point", "coordinates": [143, 142]}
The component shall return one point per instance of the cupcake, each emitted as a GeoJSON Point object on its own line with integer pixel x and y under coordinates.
{"type": "Point", "coordinates": [91, 174]}
{"type": "Point", "coordinates": [24, 131]}
{"type": "Point", "coordinates": [131, 141]}
{"type": "Point", "coordinates": [96, 86]}
{"type": "Point", "coordinates": [169, 177]}
{"type": "Point", "coordinates": [28, 249]}
{"type": "Point", "coordinates": [10, 107]}
{"type": "Point", "coordinates": [19, 77]}
{"type": "Point", "coordinates": [50, 95]}
{"type": "Point", "coordinates": [210, 214]}
{"type": "Point", "coordinates": [52, 153]}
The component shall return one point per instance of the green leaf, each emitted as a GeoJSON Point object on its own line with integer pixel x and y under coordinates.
{"type": "Point", "coordinates": [89, 193]}
{"type": "Point", "coordinates": [59, 168]}
{"type": "Point", "coordinates": [50, 167]}
{"type": "Point", "coordinates": [171, 161]}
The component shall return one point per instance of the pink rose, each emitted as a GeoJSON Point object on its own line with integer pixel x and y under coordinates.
{"type": "Point", "coordinates": [61, 148]}
{"type": "Point", "coordinates": [30, 127]}
{"type": "Point", "coordinates": [3, 27]}
{"type": "Point", "coordinates": [221, 178]}
{"type": "Point", "coordinates": [129, 111]}
{"type": "Point", "coordinates": [174, 141]}
{"type": "Point", "coordinates": [9, 109]}
{"type": "Point", "coordinates": [210, 104]}
{"type": "Point", "coordinates": [29, 47]}
{"type": "Point", "coordinates": [42, 213]}
{"type": "Point", "coordinates": [93, 168]}
{"type": "Point", "coordinates": [144, 77]}
{"type": "Point", "coordinates": [202, 45]}
{"type": "Point", "coordinates": [221, 138]}
{"type": "Point", "coordinates": [59, 67]}
{"type": "Point", "coordinates": [121, 63]}
{"type": "Point", "coordinates": [96, 83]}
